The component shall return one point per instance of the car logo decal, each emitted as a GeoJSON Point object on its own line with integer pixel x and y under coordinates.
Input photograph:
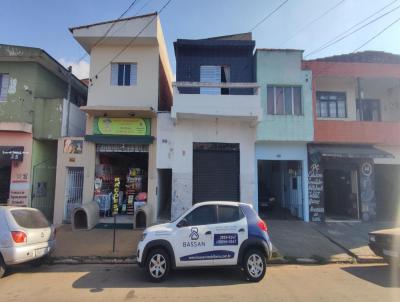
{"type": "Point", "coordinates": [194, 233]}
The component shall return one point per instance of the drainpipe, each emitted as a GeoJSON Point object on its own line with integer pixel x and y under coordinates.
{"type": "Point", "coordinates": [68, 99]}
{"type": "Point", "coordinates": [358, 101]}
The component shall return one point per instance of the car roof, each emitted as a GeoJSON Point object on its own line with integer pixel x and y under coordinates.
{"type": "Point", "coordinates": [9, 208]}
{"type": "Point", "coordinates": [215, 202]}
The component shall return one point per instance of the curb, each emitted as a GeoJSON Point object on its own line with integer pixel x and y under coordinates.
{"type": "Point", "coordinates": [91, 260]}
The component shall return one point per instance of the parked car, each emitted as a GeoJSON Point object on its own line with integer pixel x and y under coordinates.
{"type": "Point", "coordinates": [386, 243]}
{"type": "Point", "coordinates": [215, 233]}
{"type": "Point", "coordinates": [25, 235]}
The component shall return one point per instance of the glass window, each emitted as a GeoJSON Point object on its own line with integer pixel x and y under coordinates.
{"type": "Point", "coordinates": [284, 100]}
{"type": "Point", "coordinates": [4, 83]}
{"type": "Point", "coordinates": [210, 74]}
{"type": "Point", "coordinates": [229, 214]}
{"type": "Point", "coordinates": [331, 104]}
{"type": "Point", "coordinates": [123, 74]}
{"type": "Point", "coordinates": [202, 215]}
{"type": "Point", "coordinates": [30, 219]}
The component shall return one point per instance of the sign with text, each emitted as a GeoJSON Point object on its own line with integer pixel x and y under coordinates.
{"type": "Point", "coordinates": [315, 188]}
{"type": "Point", "coordinates": [122, 126]}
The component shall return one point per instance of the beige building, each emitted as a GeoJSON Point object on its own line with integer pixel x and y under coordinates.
{"type": "Point", "coordinates": [130, 82]}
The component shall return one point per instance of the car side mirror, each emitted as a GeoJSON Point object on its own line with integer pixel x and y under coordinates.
{"type": "Point", "coordinates": [183, 223]}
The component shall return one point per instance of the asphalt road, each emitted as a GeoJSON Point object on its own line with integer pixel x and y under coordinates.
{"type": "Point", "coordinates": [114, 283]}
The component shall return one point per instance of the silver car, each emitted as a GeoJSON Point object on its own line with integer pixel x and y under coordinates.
{"type": "Point", "coordinates": [25, 235]}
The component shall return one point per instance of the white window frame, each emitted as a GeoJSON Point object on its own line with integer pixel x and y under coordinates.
{"type": "Point", "coordinates": [114, 74]}
{"type": "Point", "coordinates": [284, 105]}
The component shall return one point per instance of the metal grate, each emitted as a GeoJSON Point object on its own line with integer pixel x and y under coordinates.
{"type": "Point", "coordinates": [73, 191]}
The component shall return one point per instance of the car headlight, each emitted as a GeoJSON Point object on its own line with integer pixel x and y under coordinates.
{"type": "Point", "coordinates": [372, 238]}
{"type": "Point", "coordinates": [143, 236]}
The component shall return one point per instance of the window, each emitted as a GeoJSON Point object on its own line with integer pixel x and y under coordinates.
{"type": "Point", "coordinates": [284, 100]}
{"type": "Point", "coordinates": [4, 82]}
{"type": "Point", "coordinates": [331, 104]}
{"type": "Point", "coordinates": [202, 215]}
{"type": "Point", "coordinates": [214, 74]}
{"type": "Point", "coordinates": [368, 110]}
{"type": "Point", "coordinates": [123, 74]}
{"type": "Point", "coordinates": [229, 214]}
{"type": "Point", "coordinates": [30, 219]}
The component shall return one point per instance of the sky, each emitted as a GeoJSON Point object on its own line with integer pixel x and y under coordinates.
{"type": "Point", "coordinates": [296, 24]}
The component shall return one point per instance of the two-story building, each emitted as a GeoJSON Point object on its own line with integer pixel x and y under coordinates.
{"type": "Point", "coordinates": [130, 82]}
{"type": "Point", "coordinates": [283, 134]}
{"type": "Point", "coordinates": [34, 114]}
{"type": "Point", "coordinates": [354, 162]}
{"type": "Point", "coordinates": [206, 146]}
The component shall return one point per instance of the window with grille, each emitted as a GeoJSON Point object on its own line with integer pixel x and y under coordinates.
{"type": "Point", "coordinates": [284, 100]}
{"type": "Point", "coordinates": [123, 74]}
{"type": "Point", "coordinates": [4, 83]}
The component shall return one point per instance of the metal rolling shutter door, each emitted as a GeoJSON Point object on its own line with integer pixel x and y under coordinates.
{"type": "Point", "coordinates": [216, 175]}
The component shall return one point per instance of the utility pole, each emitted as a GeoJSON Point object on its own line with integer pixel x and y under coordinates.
{"type": "Point", "coordinates": [68, 98]}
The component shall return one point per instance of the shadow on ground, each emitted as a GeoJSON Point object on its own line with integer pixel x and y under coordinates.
{"type": "Point", "coordinates": [382, 275]}
{"type": "Point", "coordinates": [96, 278]}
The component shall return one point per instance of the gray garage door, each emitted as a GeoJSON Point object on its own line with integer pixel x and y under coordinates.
{"type": "Point", "coordinates": [216, 172]}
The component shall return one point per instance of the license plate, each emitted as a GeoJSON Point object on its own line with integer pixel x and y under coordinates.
{"type": "Point", "coordinates": [40, 252]}
{"type": "Point", "coordinates": [390, 253]}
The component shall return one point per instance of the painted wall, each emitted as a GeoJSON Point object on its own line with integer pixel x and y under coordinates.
{"type": "Point", "coordinates": [284, 68]}
{"type": "Point", "coordinates": [20, 189]}
{"type": "Point", "coordinates": [175, 150]}
{"type": "Point", "coordinates": [284, 151]}
{"type": "Point", "coordinates": [144, 93]}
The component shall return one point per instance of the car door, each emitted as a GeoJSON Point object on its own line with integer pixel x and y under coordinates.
{"type": "Point", "coordinates": [193, 239]}
{"type": "Point", "coordinates": [229, 234]}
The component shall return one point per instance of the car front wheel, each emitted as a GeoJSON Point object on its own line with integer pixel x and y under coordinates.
{"type": "Point", "coordinates": [157, 265]}
{"type": "Point", "coordinates": [2, 267]}
{"type": "Point", "coordinates": [255, 265]}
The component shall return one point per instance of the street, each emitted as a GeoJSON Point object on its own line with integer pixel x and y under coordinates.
{"type": "Point", "coordinates": [374, 282]}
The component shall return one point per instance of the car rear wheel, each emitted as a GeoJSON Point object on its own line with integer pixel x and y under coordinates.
{"type": "Point", "coordinates": [157, 265]}
{"type": "Point", "coordinates": [2, 267]}
{"type": "Point", "coordinates": [254, 265]}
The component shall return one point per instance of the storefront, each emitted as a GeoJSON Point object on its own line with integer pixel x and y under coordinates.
{"type": "Point", "coordinates": [342, 182]}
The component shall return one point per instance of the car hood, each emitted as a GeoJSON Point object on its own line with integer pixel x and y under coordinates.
{"type": "Point", "coordinates": [159, 227]}
{"type": "Point", "coordinates": [394, 231]}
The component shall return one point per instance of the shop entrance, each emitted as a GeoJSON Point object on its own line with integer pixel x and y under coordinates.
{"type": "Point", "coordinates": [341, 193]}
{"type": "Point", "coordinates": [280, 190]}
{"type": "Point", "coordinates": [387, 190]}
{"type": "Point", "coordinates": [5, 178]}
{"type": "Point", "coordinates": [120, 181]}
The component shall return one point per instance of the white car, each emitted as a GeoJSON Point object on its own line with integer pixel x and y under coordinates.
{"type": "Point", "coordinates": [25, 235]}
{"type": "Point", "coordinates": [214, 233]}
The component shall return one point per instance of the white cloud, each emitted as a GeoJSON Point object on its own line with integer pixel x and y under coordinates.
{"type": "Point", "coordinates": [80, 70]}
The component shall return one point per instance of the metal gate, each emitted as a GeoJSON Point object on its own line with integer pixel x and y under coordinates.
{"type": "Point", "coordinates": [43, 188]}
{"type": "Point", "coordinates": [73, 191]}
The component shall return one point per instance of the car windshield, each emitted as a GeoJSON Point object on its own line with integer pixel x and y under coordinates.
{"type": "Point", "coordinates": [30, 219]}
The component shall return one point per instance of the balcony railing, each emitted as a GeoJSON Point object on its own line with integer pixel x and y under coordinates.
{"type": "Point", "coordinates": [360, 132]}
{"type": "Point", "coordinates": [196, 99]}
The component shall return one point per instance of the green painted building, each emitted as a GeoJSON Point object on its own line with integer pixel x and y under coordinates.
{"type": "Point", "coordinates": [33, 116]}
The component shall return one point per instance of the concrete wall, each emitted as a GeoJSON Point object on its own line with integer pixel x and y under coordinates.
{"type": "Point", "coordinates": [77, 120]}
{"type": "Point", "coordinates": [284, 68]}
{"type": "Point", "coordinates": [284, 151]}
{"type": "Point", "coordinates": [144, 93]}
{"type": "Point", "coordinates": [175, 150]}
{"type": "Point", "coordinates": [64, 160]}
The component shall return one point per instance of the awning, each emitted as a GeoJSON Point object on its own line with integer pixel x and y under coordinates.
{"type": "Point", "coordinates": [120, 139]}
{"type": "Point", "coordinates": [350, 151]}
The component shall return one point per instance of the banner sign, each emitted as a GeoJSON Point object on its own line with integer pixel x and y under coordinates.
{"type": "Point", "coordinates": [122, 126]}
{"type": "Point", "coordinates": [12, 153]}
{"type": "Point", "coordinates": [116, 196]}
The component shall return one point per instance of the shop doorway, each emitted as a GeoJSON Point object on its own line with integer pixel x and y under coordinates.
{"type": "Point", "coordinates": [216, 172]}
{"type": "Point", "coordinates": [341, 193]}
{"type": "Point", "coordinates": [280, 189]}
{"type": "Point", "coordinates": [387, 190]}
{"type": "Point", "coordinates": [5, 178]}
{"type": "Point", "coordinates": [164, 194]}
{"type": "Point", "coordinates": [121, 182]}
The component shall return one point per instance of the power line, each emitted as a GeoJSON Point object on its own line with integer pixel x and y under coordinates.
{"type": "Point", "coordinates": [269, 15]}
{"type": "Point", "coordinates": [132, 40]}
{"type": "Point", "coordinates": [101, 39]}
{"type": "Point", "coordinates": [140, 9]}
{"type": "Point", "coordinates": [313, 21]}
{"type": "Point", "coordinates": [378, 34]}
{"type": "Point", "coordinates": [355, 25]}
{"type": "Point", "coordinates": [352, 32]}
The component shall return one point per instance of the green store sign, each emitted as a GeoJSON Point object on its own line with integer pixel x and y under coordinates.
{"type": "Point", "coordinates": [122, 126]}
